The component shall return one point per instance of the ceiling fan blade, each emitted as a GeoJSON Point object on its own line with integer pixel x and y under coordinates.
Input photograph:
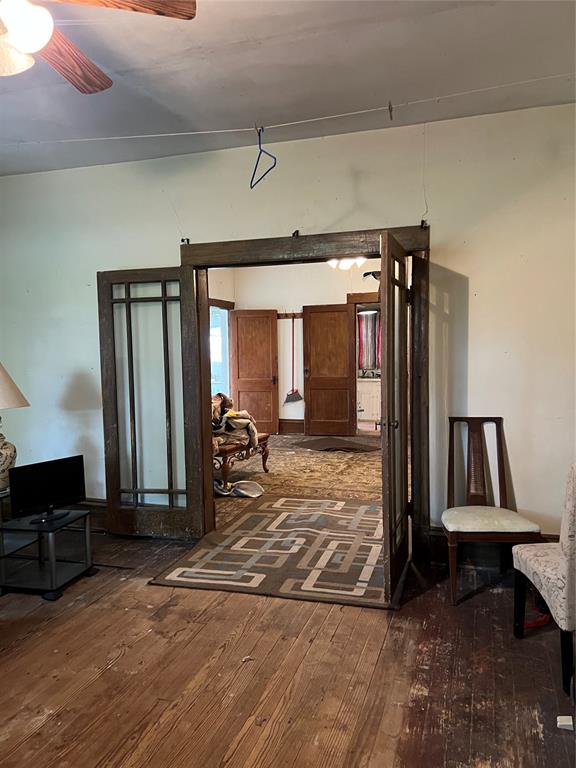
{"type": "Point", "coordinates": [175, 9]}
{"type": "Point", "coordinates": [72, 64]}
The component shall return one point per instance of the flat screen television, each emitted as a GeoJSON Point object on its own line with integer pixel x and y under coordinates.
{"type": "Point", "coordinates": [45, 487]}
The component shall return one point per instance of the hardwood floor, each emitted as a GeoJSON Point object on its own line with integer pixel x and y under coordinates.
{"type": "Point", "coordinates": [120, 674]}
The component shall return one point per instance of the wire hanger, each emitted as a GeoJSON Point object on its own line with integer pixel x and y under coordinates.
{"type": "Point", "coordinates": [254, 180]}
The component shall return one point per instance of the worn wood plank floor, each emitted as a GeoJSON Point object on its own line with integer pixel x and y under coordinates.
{"type": "Point", "coordinates": [120, 674]}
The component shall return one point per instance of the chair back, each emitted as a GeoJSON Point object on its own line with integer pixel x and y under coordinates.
{"type": "Point", "coordinates": [568, 524]}
{"type": "Point", "coordinates": [476, 481]}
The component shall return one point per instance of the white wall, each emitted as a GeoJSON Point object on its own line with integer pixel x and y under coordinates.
{"type": "Point", "coordinates": [223, 284]}
{"type": "Point", "coordinates": [500, 192]}
{"type": "Point", "coordinates": [288, 289]}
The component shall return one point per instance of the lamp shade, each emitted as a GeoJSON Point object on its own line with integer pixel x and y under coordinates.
{"type": "Point", "coordinates": [10, 395]}
{"type": "Point", "coordinates": [12, 62]}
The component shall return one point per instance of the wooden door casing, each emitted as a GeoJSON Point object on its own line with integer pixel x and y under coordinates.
{"type": "Point", "coordinates": [329, 370]}
{"type": "Point", "coordinates": [254, 365]}
{"type": "Point", "coordinates": [319, 248]}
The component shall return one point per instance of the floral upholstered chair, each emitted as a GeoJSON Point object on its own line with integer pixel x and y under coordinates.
{"type": "Point", "coordinates": [552, 570]}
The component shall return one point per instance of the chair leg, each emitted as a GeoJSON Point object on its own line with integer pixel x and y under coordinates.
{"type": "Point", "coordinates": [567, 655]}
{"type": "Point", "coordinates": [504, 558]}
{"type": "Point", "coordinates": [265, 454]}
{"type": "Point", "coordinates": [453, 566]}
{"type": "Point", "coordinates": [520, 586]}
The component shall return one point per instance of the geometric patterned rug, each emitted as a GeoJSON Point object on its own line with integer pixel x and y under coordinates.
{"type": "Point", "coordinates": [306, 549]}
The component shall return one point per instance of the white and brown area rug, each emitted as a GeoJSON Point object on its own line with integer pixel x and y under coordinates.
{"type": "Point", "coordinates": [305, 473]}
{"type": "Point", "coordinates": [308, 549]}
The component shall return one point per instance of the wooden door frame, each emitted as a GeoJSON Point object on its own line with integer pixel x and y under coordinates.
{"type": "Point", "coordinates": [306, 249]}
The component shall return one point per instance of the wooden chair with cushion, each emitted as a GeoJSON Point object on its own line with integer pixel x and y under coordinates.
{"type": "Point", "coordinates": [229, 454]}
{"type": "Point", "coordinates": [551, 567]}
{"type": "Point", "coordinates": [478, 520]}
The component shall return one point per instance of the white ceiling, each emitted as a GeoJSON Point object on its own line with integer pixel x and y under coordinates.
{"type": "Point", "coordinates": [242, 62]}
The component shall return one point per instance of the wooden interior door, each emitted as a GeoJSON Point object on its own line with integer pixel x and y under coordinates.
{"type": "Point", "coordinates": [395, 415]}
{"type": "Point", "coordinates": [254, 365]}
{"type": "Point", "coordinates": [329, 370]}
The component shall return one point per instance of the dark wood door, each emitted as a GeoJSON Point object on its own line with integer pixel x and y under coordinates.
{"type": "Point", "coordinates": [395, 426]}
{"type": "Point", "coordinates": [329, 370]}
{"type": "Point", "coordinates": [254, 365]}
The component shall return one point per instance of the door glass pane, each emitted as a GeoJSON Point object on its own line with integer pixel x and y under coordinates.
{"type": "Point", "coordinates": [400, 399]}
{"type": "Point", "coordinates": [145, 290]}
{"type": "Point", "coordinates": [121, 355]}
{"type": "Point", "coordinates": [150, 412]}
{"type": "Point", "coordinates": [173, 288]}
{"type": "Point", "coordinates": [397, 417]}
{"type": "Point", "coordinates": [177, 399]}
{"type": "Point", "coordinates": [150, 382]}
{"type": "Point", "coordinates": [219, 364]}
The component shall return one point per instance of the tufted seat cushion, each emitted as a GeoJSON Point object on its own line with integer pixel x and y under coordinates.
{"type": "Point", "coordinates": [547, 568]}
{"type": "Point", "coordinates": [486, 520]}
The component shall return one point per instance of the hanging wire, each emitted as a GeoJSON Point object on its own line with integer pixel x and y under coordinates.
{"type": "Point", "coordinates": [216, 131]}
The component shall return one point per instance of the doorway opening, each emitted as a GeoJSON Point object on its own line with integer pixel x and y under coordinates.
{"type": "Point", "coordinates": [164, 486]}
{"type": "Point", "coordinates": [368, 367]}
{"type": "Point", "coordinates": [219, 349]}
{"type": "Point", "coordinates": [295, 352]}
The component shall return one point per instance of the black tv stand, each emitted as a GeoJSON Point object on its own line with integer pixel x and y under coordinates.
{"type": "Point", "coordinates": [48, 515]}
{"type": "Point", "coordinates": [41, 570]}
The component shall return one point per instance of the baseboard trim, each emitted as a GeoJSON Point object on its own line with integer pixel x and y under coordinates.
{"type": "Point", "coordinates": [98, 516]}
{"type": "Point", "coordinates": [291, 427]}
{"type": "Point", "coordinates": [93, 503]}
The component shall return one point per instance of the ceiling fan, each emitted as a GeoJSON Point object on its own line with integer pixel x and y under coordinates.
{"type": "Point", "coordinates": [26, 29]}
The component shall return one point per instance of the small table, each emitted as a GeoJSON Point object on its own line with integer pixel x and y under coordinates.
{"type": "Point", "coordinates": [44, 575]}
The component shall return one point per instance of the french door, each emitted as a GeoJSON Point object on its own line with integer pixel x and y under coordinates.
{"type": "Point", "coordinates": [155, 359]}
{"type": "Point", "coordinates": [395, 412]}
{"type": "Point", "coordinates": [151, 395]}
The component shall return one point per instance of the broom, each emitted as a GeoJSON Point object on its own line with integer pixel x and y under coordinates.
{"type": "Point", "coordinates": [293, 396]}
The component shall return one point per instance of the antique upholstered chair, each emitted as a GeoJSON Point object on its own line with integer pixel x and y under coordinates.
{"type": "Point", "coordinates": [478, 520]}
{"type": "Point", "coordinates": [228, 454]}
{"type": "Point", "coordinates": [551, 567]}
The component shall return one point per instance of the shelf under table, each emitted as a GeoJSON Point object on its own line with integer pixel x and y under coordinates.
{"type": "Point", "coordinates": [31, 574]}
{"type": "Point", "coordinates": [14, 542]}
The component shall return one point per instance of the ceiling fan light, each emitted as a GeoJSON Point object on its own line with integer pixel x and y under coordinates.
{"type": "Point", "coordinates": [12, 62]}
{"type": "Point", "coordinates": [332, 263]}
{"type": "Point", "coordinates": [360, 260]}
{"type": "Point", "coordinates": [29, 26]}
{"type": "Point", "coordinates": [345, 264]}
